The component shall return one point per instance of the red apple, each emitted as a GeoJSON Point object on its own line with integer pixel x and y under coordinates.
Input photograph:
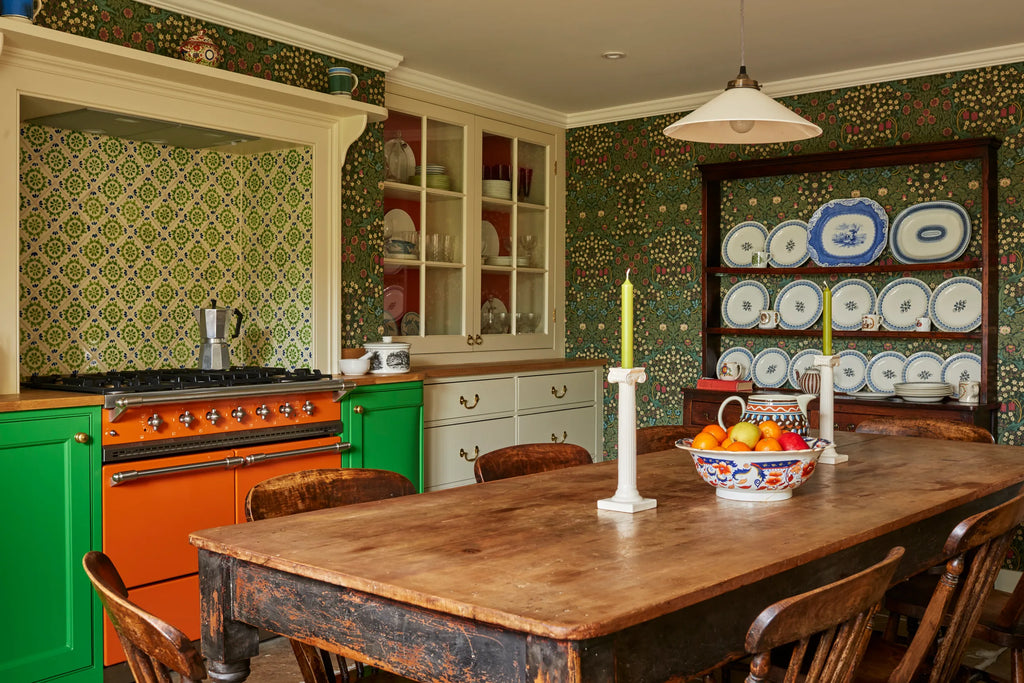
{"type": "Point", "coordinates": [791, 441]}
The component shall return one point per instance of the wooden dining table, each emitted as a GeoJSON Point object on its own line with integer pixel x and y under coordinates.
{"type": "Point", "coordinates": [524, 579]}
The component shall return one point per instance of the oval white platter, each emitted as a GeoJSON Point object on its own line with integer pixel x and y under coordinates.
{"type": "Point", "coordinates": [737, 354]}
{"type": "Point", "coordinates": [955, 305]}
{"type": "Point", "coordinates": [799, 305]}
{"type": "Point", "coordinates": [961, 367]}
{"type": "Point", "coordinates": [771, 367]}
{"type": "Point", "coordinates": [884, 370]}
{"type": "Point", "coordinates": [799, 363]}
{"type": "Point", "coordinates": [851, 373]}
{"type": "Point", "coordinates": [923, 366]}
{"type": "Point", "coordinates": [851, 300]}
{"type": "Point", "coordinates": [930, 232]}
{"type": "Point", "coordinates": [742, 305]}
{"type": "Point", "coordinates": [847, 232]}
{"type": "Point", "coordinates": [787, 244]}
{"type": "Point", "coordinates": [741, 242]}
{"type": "Point", "coordinates": [902, 302]}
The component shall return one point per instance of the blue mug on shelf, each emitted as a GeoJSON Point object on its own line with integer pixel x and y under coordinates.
{"type": "Point", "coordinates": [23, 9]}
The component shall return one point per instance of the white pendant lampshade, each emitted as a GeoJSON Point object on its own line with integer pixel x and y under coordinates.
{"type": "Point", "coordinates": [742, 115]}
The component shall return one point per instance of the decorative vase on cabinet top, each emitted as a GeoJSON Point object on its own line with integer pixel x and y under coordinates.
{"type": "Point", "coordinates": [199, 49]}
{"type": "Point", "coordinates": [789, 412]}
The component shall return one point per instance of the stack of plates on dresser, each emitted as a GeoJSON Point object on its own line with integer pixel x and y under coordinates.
{"type": "Point", "coordinates": [437, 177]}
{"type": "Point", "coordinates": [499, 189]}
{"type": "Point", "coordinates": [922, 392]}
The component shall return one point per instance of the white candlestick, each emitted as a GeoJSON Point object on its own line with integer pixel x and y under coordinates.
{"type": "Point", "coordinates": [627, 498]}
{"type": "Point", "coordinates": [827, 410]}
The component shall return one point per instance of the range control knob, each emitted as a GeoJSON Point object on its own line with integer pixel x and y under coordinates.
{"type": "Point", "coordinates": [286, 410]}
{"type": "Point", "coordinates": [238, 413]}
{"type": "Point", "coordinates": [308, 407]}
{"type": "Point", "coordinates": [213, 416]}
{"type": "Point", "coordinates": [263, 411]}
{"type": "Point", "coordinates": [187, 418]}
{"type": "Point", "coordinates": [155, 421]}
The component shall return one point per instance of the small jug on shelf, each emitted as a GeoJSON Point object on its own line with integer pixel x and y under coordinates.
{"type": "Point", "coordinates": [809, 380]}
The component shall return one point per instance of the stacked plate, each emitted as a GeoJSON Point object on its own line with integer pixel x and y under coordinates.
{"type": "Point", "coordinates": [437, 177]}
{"type": "Point", "coordinates": [498, 189]}
{"type": "Point", "coordinates": [922, 392]}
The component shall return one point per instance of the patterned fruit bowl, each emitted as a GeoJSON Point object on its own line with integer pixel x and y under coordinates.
{"type": "Point", "coordinates": [755, 475]}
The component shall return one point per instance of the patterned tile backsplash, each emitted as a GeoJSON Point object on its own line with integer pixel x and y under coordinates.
{"type": "Point", "coordinates": [122, 241]}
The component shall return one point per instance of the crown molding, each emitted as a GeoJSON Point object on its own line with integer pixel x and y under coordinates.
{"type": "Point", "coordinates": [470, 95]}
{"type": "Point", "coordinates": [976, 59]}
{"type": "Point", "coordinates": [283, 32]}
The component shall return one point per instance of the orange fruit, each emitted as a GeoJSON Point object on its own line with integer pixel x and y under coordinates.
{"type": "Point", "coordinates": [767, 444]}
{"type": "Point", "coordinates": [738, 446]}
{"type": "Point", "coordinates": [715, 431]}
{"type": "Point", "coordinates": [770, 429]}
{"type": "Point", "coordinates": [705, 442]}
{"type": "Point", "coordinates": [726, 442]}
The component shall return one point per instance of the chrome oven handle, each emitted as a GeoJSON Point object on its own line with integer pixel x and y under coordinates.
{"type": "Point", "coordinates": [263, 457]}
{"type": "Point", "coordinates": [132, 475]}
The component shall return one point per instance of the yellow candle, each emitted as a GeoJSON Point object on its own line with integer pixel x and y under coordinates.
{"type": "Point", "coordinates": [627, 322]}
{"type": "Point", "coordinates": [826, 322]}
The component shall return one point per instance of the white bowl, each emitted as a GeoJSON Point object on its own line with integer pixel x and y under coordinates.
{"type": "Point", "coordinates": [355, 366]}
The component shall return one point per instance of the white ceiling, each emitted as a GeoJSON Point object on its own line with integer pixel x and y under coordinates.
{"type": "Point", "coordinates": [544, 55]}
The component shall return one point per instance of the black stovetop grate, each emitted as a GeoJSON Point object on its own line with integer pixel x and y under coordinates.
{"type": "Point", "coordinates": [172, 379]}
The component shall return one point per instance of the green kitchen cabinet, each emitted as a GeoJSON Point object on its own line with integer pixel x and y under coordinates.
{"type": "Point", "coordinates": [50, 504]}
{"type": "Point", "coordinates": [384, 424]}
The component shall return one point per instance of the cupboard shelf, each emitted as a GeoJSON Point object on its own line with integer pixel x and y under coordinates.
{"type": "Point", "coordinates": [816, 332]}
{"type": "Point", "coordinates": [969, 264]}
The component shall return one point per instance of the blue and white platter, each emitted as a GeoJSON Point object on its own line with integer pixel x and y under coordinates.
{"type": "Point", "coordinates": [884, 370]}
{"type": "Point", "coordinates": [902, 302]}
{"type": "Point", "coordinates": [742, 305]}
{"type": "Point", "coordinates": [799, 305]}
{"type": "Point", "coordinates": [787, 244]}
{"type": "Point", "coordinates": [736, 354]}
{"type": "Point", "coordinates": [851, 373]}
{"type": "Point", "coordinates": [961, 367]}
{"type": "Point", "coordinates": [741, 242]}
{"type": "Point", "coordinates": [930, 232]}
{"type": "Point", "coordinates": [851, 300]}
{"type": "Point", "coordinates": [955, 305]}
{"type": "Point", "coordinates": [923, 366]}
{"type": "Point", "coordinates": [771, 368]}
{"type": "Point", "coordinates": [847, 232]}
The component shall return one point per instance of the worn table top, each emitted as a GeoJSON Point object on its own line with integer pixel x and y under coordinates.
{"type": "Point", "coordinates": [535, 554]}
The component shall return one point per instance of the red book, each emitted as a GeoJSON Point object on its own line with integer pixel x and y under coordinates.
{"type": "Point", "coordinates": [725, 384]}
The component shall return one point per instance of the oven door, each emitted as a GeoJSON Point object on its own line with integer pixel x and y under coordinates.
{"type": "Point", "coordinates": [272, 460]}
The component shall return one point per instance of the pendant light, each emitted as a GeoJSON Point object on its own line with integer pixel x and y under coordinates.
{"type": "Point", "coordinates": [742, 115]}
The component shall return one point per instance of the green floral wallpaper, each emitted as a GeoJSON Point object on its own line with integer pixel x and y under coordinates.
{"type": "Point", "coordinates": [633, 201]}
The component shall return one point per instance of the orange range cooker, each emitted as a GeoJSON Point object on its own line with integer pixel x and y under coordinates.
{"type": "Point", "coordinates": [181, 449]}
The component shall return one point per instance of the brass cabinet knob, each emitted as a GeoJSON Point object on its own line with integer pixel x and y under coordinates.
{"type": "Point", "coordinates": [358, 410]}
{"type": "Point", "coordinates": [469, 339]}
{"type": "Point", "coordinates": [82, 437]}
{"type": "Point", "coordinates": [479, 340]}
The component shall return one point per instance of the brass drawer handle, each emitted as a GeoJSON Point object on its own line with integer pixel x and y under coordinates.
{"type": "Point", "coordinates": [464, 454]}
{"type": "Point", "coordinates": [554, 391]}
{"type": "Point", "coordinates": [554, 438]}
{"type": "Point", "coordinates": [465, 404]}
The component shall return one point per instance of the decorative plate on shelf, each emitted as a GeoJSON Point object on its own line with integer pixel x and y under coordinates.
{"type": "Point", "coordinates": [736, 354]}
{"type": "Point", "coordinates": [399, 160]}
{"type": "Point", "coordinates": [851, 373]}
{"type": "Point", "coordinates": [787, 244]}
{"type": "Point", "coordinates": [411, 324]}
{"type": "Point", "coordinates": [870, 395]}
{"type": "Point", "coordinates": [771, 368]}
{"type": "Point", "coordinates": [394, 301]}
{"type": "Point", "coordinates": [489, 238]}
{"type": "Point", "coordinates": [851, 300]}
{"type": "Point", "coordinates": [902, 302]}
{"type": "Point", "coordinates": [884, 370]}
{"type": "Point", "coordinates": [396, 221]}
{"type": "Point", "coordinates": [923, 366]}
{"type": "Point", "coordinates": [955, 305]}
{"type": "Point", "coordinates": [390, 326]}
{"type": "Point", "coordinates": [961, 367]}
{"type": "Point", "coordinates": [741, 242]}
{"type": "Point", "coordinates": [799, 305]}
{"type": "Point", "coordinates": [847, 232]}
{"type": "Point", "coordinates": [799, 363]}
{"type": "Point", "coordinates": [742, 305]}
{"type": "Point", "coordinates": [930, 232]}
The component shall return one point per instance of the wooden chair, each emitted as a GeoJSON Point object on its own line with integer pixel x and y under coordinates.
{"type": "Point", "coordinates": [662, 437]}
{"type": "Point", "coordinates": [976, 548]}
{"type": "Point", "coordinates": [528, 458]}
{"type": "Point", "coordinates": [309, 490]}
{"type": "Point", "coordinates": [927, 427]}
{"type": "Point", "coordinates": [831, 623]}
{"type": "Point", "coordinates": [153, 647]}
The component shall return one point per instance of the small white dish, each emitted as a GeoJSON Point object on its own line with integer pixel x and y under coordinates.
{"type": "Point", "coordinates": [902, 302]}
{"type": "Point", "coordinates": [489, 235]}
{"type": "Point", "coordinates": [742, 305]}
{"type": "Point", "coordinates": [787, 244]}
{"type": "Point", "coordinates": [771, 367]}
{"type": "Point", "coordinates": [799, 305]}
{"type": "Point", "coordinates": [961, 367]}
{"type": "Point", "coordinates": [499, 260]}
{"type": "Point", "coordinates": [884, 370]}
{"type": "Point", "coordinates": [930, 232]}
{"type": "Point", "coordinates": [923, 366]}
{"type": "Point", "coordinates": [851, 373]}
{"type": "Point", "coordinates": [851, 300]}
{"type": "Point", "coordinates": [955, 305]}
{"type": "Point", "coordinates": [870, 395]}
{"type": "Point", "coordinates": [741, 242]}
{"type": "Point", "coordinates": [353, 367]}
{"type": "Point", "coordinates": [798, 365]}
{"type": "Point", "coordinates": [736, 354]}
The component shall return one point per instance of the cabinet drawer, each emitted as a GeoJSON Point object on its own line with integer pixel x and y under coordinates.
{"type": "Point", "coordinates": [547, 391]}
{"type": "Point", "coordinates": [451, 450]}
{"type": "Point", "coordinates": [468, 400]}
{"type": "Point", "coordinates": [575, 425]}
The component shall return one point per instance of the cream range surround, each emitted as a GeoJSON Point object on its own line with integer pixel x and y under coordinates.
{"type": "Point", "coordinates": [65, 71]}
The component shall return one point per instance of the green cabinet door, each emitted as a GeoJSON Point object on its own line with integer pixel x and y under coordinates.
{"type": "Point", "coordinates": [384, 424]}
{"type": "Point", "coordinates": [50, 505]}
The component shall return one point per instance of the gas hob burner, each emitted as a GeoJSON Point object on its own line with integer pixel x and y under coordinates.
{"type": "Point", "coordinates": [171, 379]}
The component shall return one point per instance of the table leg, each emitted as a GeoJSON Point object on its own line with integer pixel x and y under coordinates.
{"type": "Point", "coordinates": [227, 644]}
